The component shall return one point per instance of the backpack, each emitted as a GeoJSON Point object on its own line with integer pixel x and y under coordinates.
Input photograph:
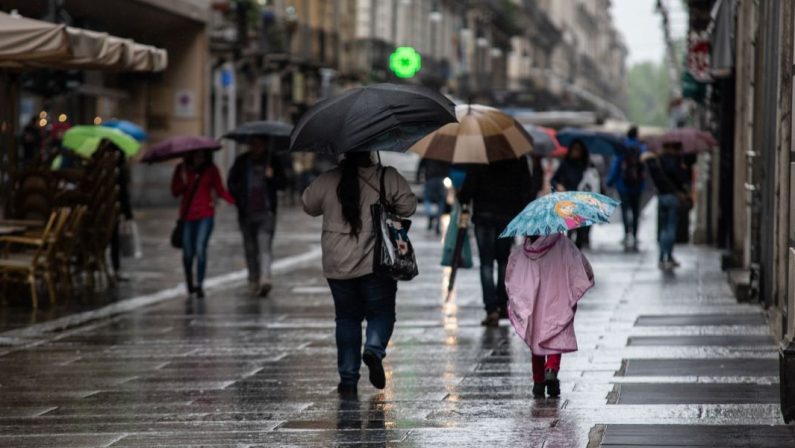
{"type": "Point", "coordinates": [631, 167]}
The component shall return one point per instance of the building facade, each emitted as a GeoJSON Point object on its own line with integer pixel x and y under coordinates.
{"type": "Point", "coordinates": [750, 109]}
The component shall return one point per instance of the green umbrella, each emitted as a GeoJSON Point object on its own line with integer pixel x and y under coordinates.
{"type": "Point", "coordinates": [85, 140]}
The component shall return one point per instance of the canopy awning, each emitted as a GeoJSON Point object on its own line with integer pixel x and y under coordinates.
{"type": "Point", "coordinates": [28, 43]}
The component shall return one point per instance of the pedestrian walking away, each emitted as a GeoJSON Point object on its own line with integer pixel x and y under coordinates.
{"type": "Point", "coordinates": [627, 175]}
{"type": "Point", "coordinates": [434, 194]}
{"type": "Point", "coordinates": [671, 178]}
{"type": "Point", "coordinates": [570, 176]}
{"type": "Point", "coordinates": [194, 180]}
{"type": "Point", "coordinates": [546, 278]}
{"type": "Point", "coordinates": [343, 197]}
{"type": "Point", "coordinates": [498, 192]}
{"type": "Point", "coordinates": [254, 180]}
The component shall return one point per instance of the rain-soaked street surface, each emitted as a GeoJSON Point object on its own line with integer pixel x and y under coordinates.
{"type": "Point", "coordinates": [663, 361]}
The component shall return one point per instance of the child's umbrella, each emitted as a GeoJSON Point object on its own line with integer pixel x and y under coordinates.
{"type": "Point", "coordinates": [561, 212]}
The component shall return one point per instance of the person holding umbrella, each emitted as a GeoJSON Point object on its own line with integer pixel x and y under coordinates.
{"type": "Point", "coordinates": [195, 180]}
{"type": "Point", "coordinates": [254, 181]}
{"type": "Point", "coordinates": [492, 146]}
{"type": "Point", "coordinates": [548, 275]}
{"type": "Point", "coordinates": [383, 117]}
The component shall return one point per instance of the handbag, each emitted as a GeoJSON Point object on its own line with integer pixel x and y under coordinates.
{"type": "Point", "coordinates": [179, 228]}
{"type": "Point", "coordinates": [394, 255]}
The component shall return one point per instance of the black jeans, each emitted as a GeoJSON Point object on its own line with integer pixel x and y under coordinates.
{"type": "Point", "coordinates": [372, 297]}
{"type": "Point", "coordinates": [491, 248]}
{"type": "Point", "coordinates": [630, 212]}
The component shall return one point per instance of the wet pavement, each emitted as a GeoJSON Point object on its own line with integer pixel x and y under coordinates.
{"type": "Point", "coordinates": [664, 360]}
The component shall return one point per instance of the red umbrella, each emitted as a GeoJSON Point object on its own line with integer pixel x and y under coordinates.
{"type": "Point", "coordinates": [691, 139]}
{"type": "Point", "coordinates": [175, 147]}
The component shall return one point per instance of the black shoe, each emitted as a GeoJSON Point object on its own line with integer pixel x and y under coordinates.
{"type": "Point", "coordinates": [191, 289]}
{"type": "Point", "coordinates": [492, 320]}
{"type": "Point", "coordinates": [552, 383]}
{"type": "Point", "coordinates": [199, 293]}
{"type": "Point", "coordinates": [538, 390]}
{"type": "Point", "coordinates": [377, 376]}
{"type": "Point", "coordinates": [347, 390]}
{"type": "Point", "coordinates": [265, 289]}
{"type": "Point", "coordinates": [503, 313]}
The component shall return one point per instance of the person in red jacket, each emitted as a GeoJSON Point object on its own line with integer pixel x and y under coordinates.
{"type": "Point", "coordinates": [195, 179]}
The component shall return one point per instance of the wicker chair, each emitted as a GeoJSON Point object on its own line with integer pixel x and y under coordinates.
{"type": "Point", "coordinates": [39, 261]}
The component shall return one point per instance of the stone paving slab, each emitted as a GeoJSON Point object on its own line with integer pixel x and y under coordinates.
{"type": "Point", "coordinates": [699, 436]}
{"type": "Point", "coordinates": [700, 367]}
{"type": "Point", "coordinates": [683, 393]}
{"type": "Point", "coordinates": [701, 341]}
{"type": "Point", "coordinates": [700, 319]}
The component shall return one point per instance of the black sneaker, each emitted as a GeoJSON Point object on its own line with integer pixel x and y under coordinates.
{"type": "Point", "coordinates": [347, 390]}
{"type": "Point", "coordinates": [199, 293]}
{"type": "Point", "coordinates": [377, 376]}
{"type": "Point", "coordinates": [265, 289]}
{"type": "Point", "coordinates": [552, 383]}
{"type": "Point", "coordinates": [504, 313]}
{"type": "Point", "coordinates": [538, 390]}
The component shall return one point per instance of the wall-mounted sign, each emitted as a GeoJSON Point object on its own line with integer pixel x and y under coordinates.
{"type": "Point", "coordinates": [405, 62]}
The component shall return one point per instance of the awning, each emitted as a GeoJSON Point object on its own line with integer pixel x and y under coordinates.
{"type": "Point", "coordinates": [28, 43]}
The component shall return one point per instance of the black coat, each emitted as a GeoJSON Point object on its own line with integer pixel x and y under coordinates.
{"type": "Point", "coordinates": [498, 191]}
{"type": "Point", "coordinates": [669, 173]}
{"type": "Point", "coordinates": [237, 182]}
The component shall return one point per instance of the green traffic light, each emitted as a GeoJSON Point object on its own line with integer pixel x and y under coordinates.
{"type": "Point", "coordinates": [405, 62]}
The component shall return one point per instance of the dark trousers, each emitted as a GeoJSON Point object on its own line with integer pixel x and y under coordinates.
{"type": "Point", "coordinates": [491, 248]}
{"type": "Point", "coordinates": [581, 237]}
{"type": "Point", "coordinates": [258, 245]}
{"type": "Point", "coordinates": [630, 212]}
{"type": "Point", "coordinates": [195, 237]}
{"type": "Point", "coordinates": [669, 205]}
{"type": "Point", "coordinates": [371, 297]}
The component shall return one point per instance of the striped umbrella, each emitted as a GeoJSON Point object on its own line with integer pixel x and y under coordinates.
{"type": "Point", "coordinates": [483, 135]}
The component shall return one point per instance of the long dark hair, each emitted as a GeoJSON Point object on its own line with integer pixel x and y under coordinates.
{"type": "Point", "coordinates": [348, 191]}
{"type": "Point", "coordinates": [585, 158]}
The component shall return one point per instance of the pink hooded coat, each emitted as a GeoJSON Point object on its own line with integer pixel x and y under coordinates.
{"type": "Point", "coordinates": [545, 280]}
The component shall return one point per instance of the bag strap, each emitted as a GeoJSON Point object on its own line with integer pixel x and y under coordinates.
{"type": "Point", "coordinates": [192, 194]}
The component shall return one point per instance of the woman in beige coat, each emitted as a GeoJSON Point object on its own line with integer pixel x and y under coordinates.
{"type": "Point", "coordinates": [343, 196]}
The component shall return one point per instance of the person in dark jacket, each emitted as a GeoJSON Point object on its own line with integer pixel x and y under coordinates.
{"type": "Point", "coordinates": [253, 181]}
{"type": "Point", "coordinates": [568, 177]}
{"type": "Point", "coordinates": [498, 192]}
{"type": "Point", "coordinates": [434, 191]}
{"type": "Point", "coordinates": [671, 178]}
{"type": "Point", "coordinates": [627, 176]}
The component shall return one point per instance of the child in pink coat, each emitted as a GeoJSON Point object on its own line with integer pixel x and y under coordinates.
{"type": "Point", "coordinates": [545, 279]}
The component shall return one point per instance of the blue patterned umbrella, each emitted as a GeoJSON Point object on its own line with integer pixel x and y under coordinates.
{"type": "Point", "coordinates": [559, 212]}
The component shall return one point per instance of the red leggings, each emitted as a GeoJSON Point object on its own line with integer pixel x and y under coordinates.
{"type": "Point", "coordinates": [541, 363]}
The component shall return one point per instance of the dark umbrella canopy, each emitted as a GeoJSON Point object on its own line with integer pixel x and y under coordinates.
{"type": "Point", "coordinates": [175, 147]}
{"type": "Point", "coordinates": [247, 131]}
{"type": "Point", "coordinates": [381, 117]}
{"type": "Point", "coordinates": [596, 142]}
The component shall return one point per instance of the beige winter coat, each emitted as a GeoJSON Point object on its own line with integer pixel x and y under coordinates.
{"type": "Point", "coordinates": [346, 257]}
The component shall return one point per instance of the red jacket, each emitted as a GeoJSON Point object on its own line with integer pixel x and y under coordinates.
{"type": "Point", "coordinates": [202, 206]}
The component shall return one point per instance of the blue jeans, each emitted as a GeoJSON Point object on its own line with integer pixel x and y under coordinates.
{"type": "Point", "coordinates": [195, 236]}
{"type": "Point", "coordinates": [669, 220]}
{"type": "Point", "coordinates": [491, 248]}
{"type": "Point", "coordinates": [372, 297]}
{"type": "Point", "coordinates": [434, 193]}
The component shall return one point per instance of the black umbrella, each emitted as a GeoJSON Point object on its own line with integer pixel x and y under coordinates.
{"type": "Point", "coordinates": [380, 117]}
{"type": "Point", "coordinates": [247, 131]}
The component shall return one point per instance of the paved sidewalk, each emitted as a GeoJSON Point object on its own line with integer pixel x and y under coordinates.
{"type": "Point", "coordinates": [655, 350]}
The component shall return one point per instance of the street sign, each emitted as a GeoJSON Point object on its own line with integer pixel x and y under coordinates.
{"type": "Point", "coordinates": [405, 62]}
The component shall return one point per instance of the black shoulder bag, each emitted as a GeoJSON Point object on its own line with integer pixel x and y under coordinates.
{"type": "Point", "coordinates": [394, 255]}
{"type": "Point", "coordinates": [176, 234]}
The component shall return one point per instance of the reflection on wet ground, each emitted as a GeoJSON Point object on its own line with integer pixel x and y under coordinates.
{"type": "Point", "coordinates": [235, 371]}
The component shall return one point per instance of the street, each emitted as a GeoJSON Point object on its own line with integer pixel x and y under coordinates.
{"type": "Point", "coordinates": [655, 350]}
